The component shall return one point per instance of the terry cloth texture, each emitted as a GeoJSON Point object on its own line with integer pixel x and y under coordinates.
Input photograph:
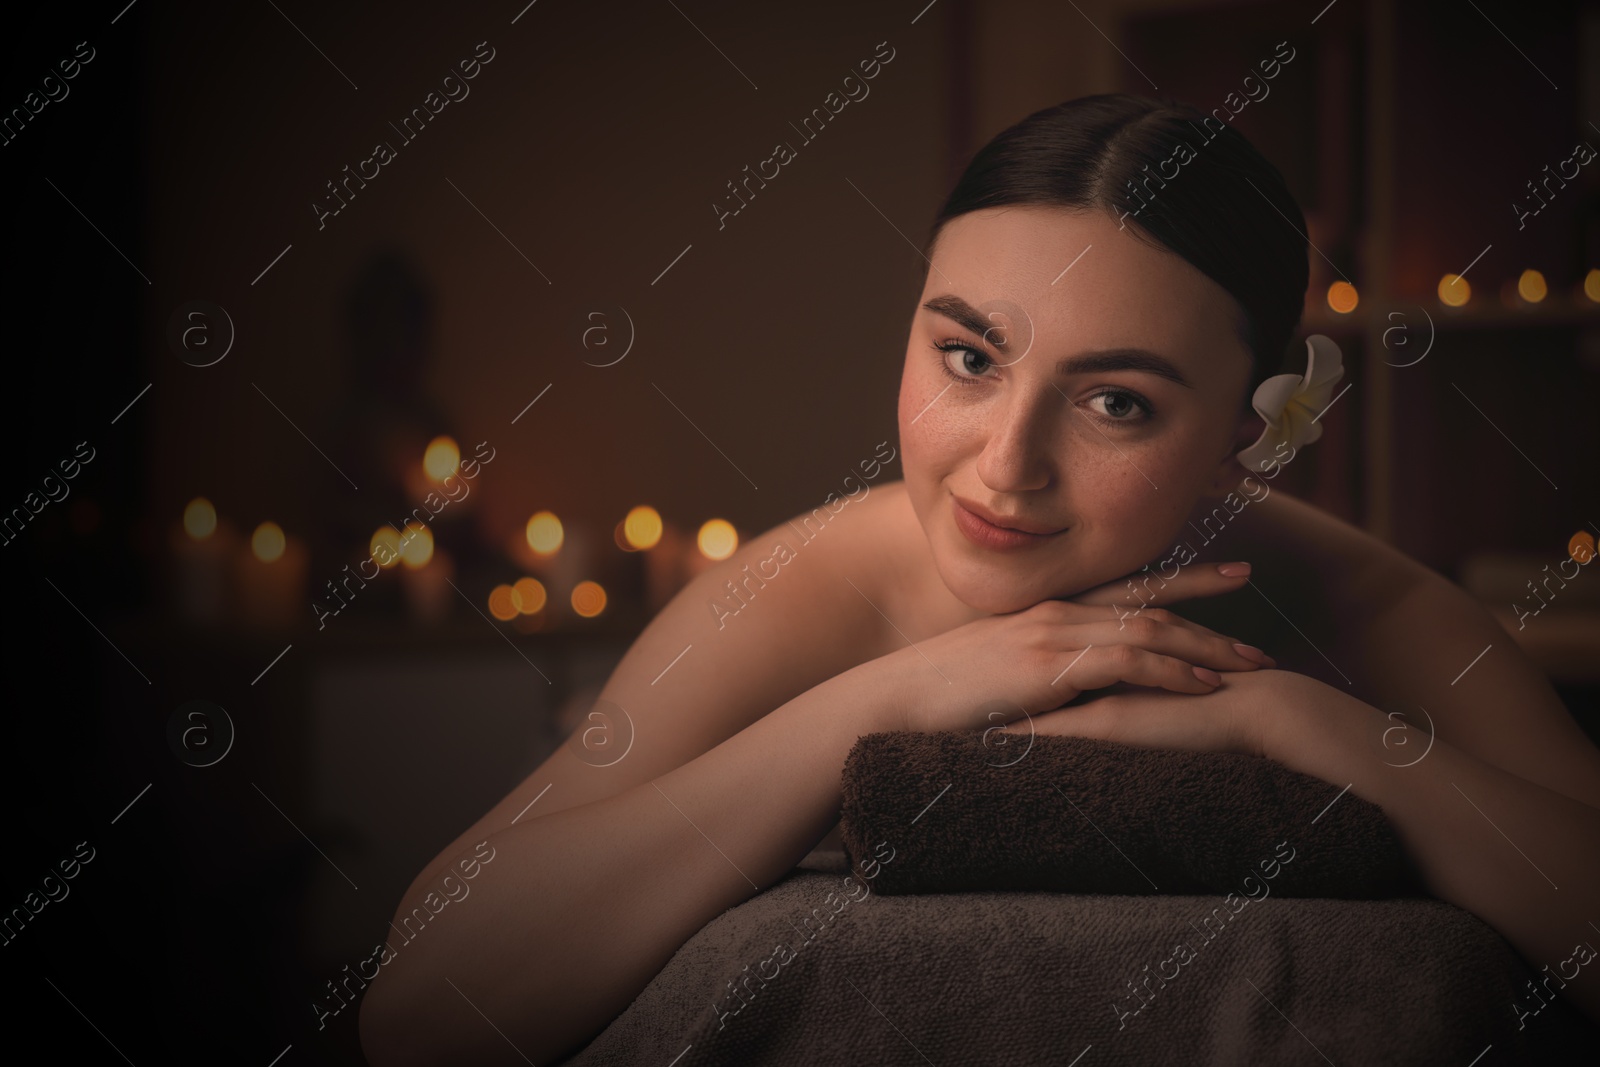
{"type": "Point", "coordinates": [1082, 815]}
{"type": "Point", "coordinates": [1012, 979]}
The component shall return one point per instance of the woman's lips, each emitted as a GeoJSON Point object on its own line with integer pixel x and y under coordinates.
{"type": "Point", "coordinates": [986, 534]}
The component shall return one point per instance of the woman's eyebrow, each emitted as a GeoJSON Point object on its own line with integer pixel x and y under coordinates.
{"type": "Point", "coordinates": [1111, 359]}
{"type": "Point", "coordinates": [958, 310]}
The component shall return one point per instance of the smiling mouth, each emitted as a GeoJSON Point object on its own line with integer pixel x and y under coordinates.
{"type": "Point", "coordinates": [987, 533]}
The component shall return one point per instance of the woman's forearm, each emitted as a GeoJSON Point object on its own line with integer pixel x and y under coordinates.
{"type": "Point", "coordinates": [582, 907]}
{"type": "Point", "coordinates": [1523, 858]}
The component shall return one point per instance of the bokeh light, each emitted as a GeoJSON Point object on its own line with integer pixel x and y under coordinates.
{"type": "Point", "coordinates": [1531, 286]}
{"type": "Point", "coordinates": [642, 527]}
{"type": "Point", "coordinates": [528, 595]}
{"type": "Point", "coordinates": [1342, 297]}
{"type": "Point", "coordinates": [200, 518]}
{"type": "Point", "coordinates": [1454, 290]}
{"type": "Point", "coordinates": [387, 538]}
{"type": "Point", "coordinates": [502, 603]}
{"type": "Point", "coordinates": [268, 542]}
{"type": "Point", "coordinates": [718, 539]}
{"type": "Point", "coordinates": [1581, 547]}
{"type": "Point", "coordinates": [416, 549]}
{"type": "Point", "coordinates": [588, 599]}
{"type": "Point", "coordinates": [442, 458]}
{"type": "Point", "coordinates": [1591, 285]}
{"type": "Point", "coordinates": [544, 533]}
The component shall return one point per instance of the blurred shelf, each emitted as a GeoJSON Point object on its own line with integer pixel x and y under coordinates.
{"type": "Point", "coordinates": [1485, 317]}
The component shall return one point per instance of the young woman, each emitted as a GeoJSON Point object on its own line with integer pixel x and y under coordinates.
{"type": "Point", "coordinates": [1089, 396]}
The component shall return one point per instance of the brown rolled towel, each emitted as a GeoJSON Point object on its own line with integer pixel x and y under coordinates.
{"type": "Point", "coordinates": [948, 812]}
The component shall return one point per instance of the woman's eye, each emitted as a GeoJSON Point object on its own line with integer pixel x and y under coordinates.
{"type": "Point", "coordinates": [1119, 407]}
{"type": "Point", "coordinates": [966, 362]}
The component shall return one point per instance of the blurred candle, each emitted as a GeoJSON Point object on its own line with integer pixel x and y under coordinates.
{"type": "Point", "coordinates": [545, 534]}
{"type": "Point", "coordinates": [416, 548]}
{"type": "Point", "coordinates": [385, 547]}
{"type": "Point", "coordinates": [426, 585]}
{"type": "Point", "coordinates": [199, 518]}
{"type": "Point", "coordinates": [718, 539]}
{"type": "Point", "coordinates": [572, 556]}
{"type": "Point", "coordinates": [588, 599]}
{"type": "Point", "coordinates": [201, 547]}
{"type": "Point", "coordinates": [528, 596]}
{"type": "Point", "coordinates": [270, 575]}
{"type": "Point", "coordinates": [1454, 290]}
{"type": "Point", "coordinates": [642, 527]}
{"type": "Point", "coordinates": [441, 458]}
{"type": "Point", "coordinates": [503, 603]}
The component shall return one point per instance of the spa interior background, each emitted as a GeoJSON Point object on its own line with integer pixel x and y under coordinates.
{"type": "Point", "coordinates": [483, 287]}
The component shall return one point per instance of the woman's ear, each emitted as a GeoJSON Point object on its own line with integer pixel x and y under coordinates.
{"type": "Point", "coordinates": [1230, 472]}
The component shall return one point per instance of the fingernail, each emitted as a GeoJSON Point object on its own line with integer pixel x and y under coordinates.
{"type": "Point", "coordinates": [1234, 570]}
{"type": "Point", "coordinates": [1208, 677]}
{"type": "Point", "coordinates": [1251, 653]}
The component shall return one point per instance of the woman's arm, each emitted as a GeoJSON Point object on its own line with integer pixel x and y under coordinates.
{"type": "Point", "coordinates": [1522, 857]}
{"type": "Point", "coordinates": [1408, 639]}
{"type": "Point", "coordinates": [605, 863]}
{"type": "Point", "coordinates": [1436, 655]}
{"type": "Point", "coordinates": [581, 908]}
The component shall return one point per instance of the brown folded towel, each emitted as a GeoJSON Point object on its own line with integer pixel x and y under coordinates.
{"type": "Point", "coordinates": [943, 812]}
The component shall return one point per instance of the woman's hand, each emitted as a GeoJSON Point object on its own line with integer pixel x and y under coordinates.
{"type": "Point", "coordinates": [1242, 715]}
{"type": "Point", "coordinates": [1003, 667]}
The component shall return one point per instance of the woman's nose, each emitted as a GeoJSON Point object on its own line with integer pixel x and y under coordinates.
{"type": "Point", "coordinates": [1017, 456]}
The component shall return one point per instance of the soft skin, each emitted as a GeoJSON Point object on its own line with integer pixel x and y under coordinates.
{"type": "Point", "coordinates": [1066, 451]}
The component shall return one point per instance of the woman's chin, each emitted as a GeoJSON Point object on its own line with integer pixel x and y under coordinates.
{"type": "Point", "coordinates": [983, 593]}
{"type": "Point", "coordinates": [995, 592]}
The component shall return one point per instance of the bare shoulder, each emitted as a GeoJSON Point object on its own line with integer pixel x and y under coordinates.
{"type": "Point", "coordinates": [1413, 640]}
{"type": "Point", "coordinates": [1359, 567]}
{"type": "Point", "coordinates": [795, 605]}
{"type": "Point", "coordinates": [826, 558]}
{"type": "Point", "coordinates": [1317, 583]}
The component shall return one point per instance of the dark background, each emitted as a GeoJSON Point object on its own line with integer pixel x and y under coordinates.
{"type": "Point", "coordinates": [186, 157]}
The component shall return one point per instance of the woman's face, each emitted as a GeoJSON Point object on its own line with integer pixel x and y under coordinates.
{"type": "Point", "coordinates": [1089, 400]}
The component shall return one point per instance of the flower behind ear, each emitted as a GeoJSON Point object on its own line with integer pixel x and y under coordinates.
{"type": "Point", "coordinates": [1290, 404]}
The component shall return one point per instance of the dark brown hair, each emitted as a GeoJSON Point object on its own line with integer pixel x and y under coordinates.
{"type": "Point", "coordinates": [1226, 211]}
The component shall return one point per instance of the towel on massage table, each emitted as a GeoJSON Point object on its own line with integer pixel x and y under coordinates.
{"type": "Point", "coordinates": [958, 811]}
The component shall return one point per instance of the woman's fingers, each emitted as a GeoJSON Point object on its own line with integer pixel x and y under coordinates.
{"type": "Point", "coordinates": [1143, 598]}
{"type": "Point", "coordinates": [1142, 589]}
{"type": "Point", "coordinates": [1098, 666]}
{"type": "Point", "coordinates": [1152, 718]}
{"type": "Point", "coordinates": [1161, 631]}
{"type": "Point", "coordinates": [1251, 653]}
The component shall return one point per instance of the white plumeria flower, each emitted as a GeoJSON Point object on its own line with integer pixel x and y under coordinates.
{"type": "Point", "coordinates": [1290, 403]}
